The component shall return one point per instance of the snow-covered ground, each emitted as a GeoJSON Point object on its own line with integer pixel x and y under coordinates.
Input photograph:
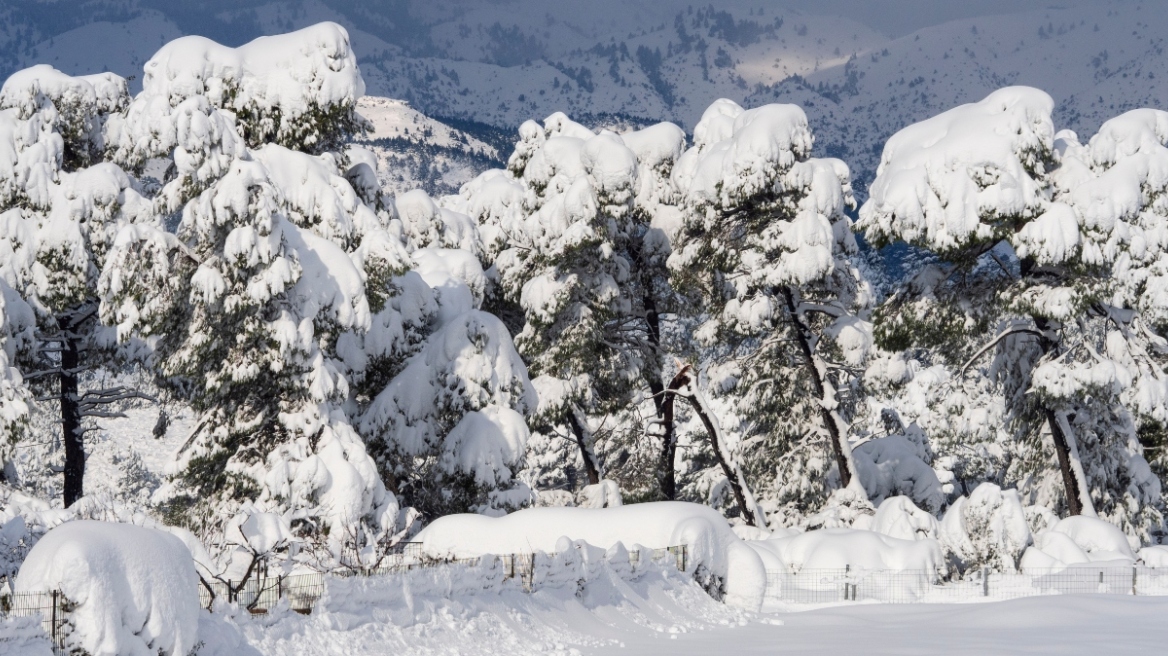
{"type": "Point", "coordinates": [679, 619]}
{"type": "Point", "coordinates": [1065, 625]}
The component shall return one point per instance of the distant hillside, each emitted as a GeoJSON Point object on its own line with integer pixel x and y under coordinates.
{"type": "Point", "coordinates": [622, 63]}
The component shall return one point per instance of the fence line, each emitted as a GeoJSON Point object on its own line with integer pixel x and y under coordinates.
{"type": "Point", "coordinates": [302, 591]}
{"type": "Point", "coordinates": [260, 594]}
{"type": "Point", "coordinates": [821, 586]}
{"type": "Point", "coordinates": [52, 607]}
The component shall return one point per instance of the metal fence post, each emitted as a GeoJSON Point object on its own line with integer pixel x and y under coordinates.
{"type": "Point", "coordinates": [985, 581]}
{"type": "Point", "coordinates": [1135, 578]}
{"type": "Point", "coordinates": [53, 624]}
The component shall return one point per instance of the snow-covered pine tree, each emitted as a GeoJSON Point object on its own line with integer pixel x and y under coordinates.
{"type": "Point", "coordinates": [764, 258]}
{"type": "Point", "coordinates": [61, 207]}
{"type": "Point", "coordinates": [448, 426]}
{"type": "Point", "coordinates": [1034, 231]}
{"type": "Point", "coordinates": [558, 220]}
{"type": "Point", "coordinates": [249, 303]}
{"type": "Point", "coordinates": [17, 325]}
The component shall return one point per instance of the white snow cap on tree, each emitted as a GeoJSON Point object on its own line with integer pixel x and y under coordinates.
{"type": "Point", "coordinates": [965, 175]}
{"type": "Point", "coordinates": [76, 106]}
{"type": "Point", "coordinates": [273, 84]}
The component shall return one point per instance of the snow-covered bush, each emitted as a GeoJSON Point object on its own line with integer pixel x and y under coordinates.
{"type": "Point", "coordinates": [132, 589]}
{"type": "Point", "coordinates": [1078, 540]}
{"type": "Point", "coordinates": [841, 548]}
{"type": "Point", "coordinates": [896, 465]}
{"type": "Point", "coordinates": [899, 517]}
{"type": "Point", "coordinates": [450, 428]}
{"type": "Point", "coordinates": [986, 529]}
{"type": "Point", "coordinates": [712, 547]}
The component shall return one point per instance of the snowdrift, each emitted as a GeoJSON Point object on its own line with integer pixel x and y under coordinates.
{"type": "Point", "coordinates": [712, 545]}
{"type": "Point", "coordinates": [134, 587]}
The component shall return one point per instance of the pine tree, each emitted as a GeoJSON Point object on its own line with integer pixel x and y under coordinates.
{"type": "Point", "coordinates": [557, 221]}
{"type": "Point", "coordinates": [764, 259]}
{"type": "Point", "coordinates": [1043, 245]}
{"type": "Point", "coordinates": [62, 205]}
{"type": "Point", "coordinates": [256, 305]}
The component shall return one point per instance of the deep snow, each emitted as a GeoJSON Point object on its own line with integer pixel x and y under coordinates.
{"type": "Point", "coordinates": [1065, 625]}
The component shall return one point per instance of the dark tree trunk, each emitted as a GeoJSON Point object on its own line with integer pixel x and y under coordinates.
{"type": "Point", "coordinates": [71, 431]}
{"type": "Point", "coordinates": [1063, 450]}
{"type": "Point", "coordinates": [806, 341]}
{"type": "Point", "coordinates": [590, 464]}
{"type": "Point", "coordinates": [1062, 442]}
{"type": "Point", "coordinates": [731, 474]}
{"type": "Point", "coordinates": [666, 468]}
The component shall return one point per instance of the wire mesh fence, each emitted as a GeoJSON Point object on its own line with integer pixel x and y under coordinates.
{"type": "Point", "coordinates": [825, 586]}
{"type": "Point", "coordinates": [259, 594]}
{"type": "Point", "coordinates": [52, 608]}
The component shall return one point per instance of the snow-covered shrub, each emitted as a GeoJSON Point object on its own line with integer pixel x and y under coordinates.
{"type": "Point", "coordinates": [899, 517]}
{"type": "Point", "coordinates": [604, 494]}
{"type": "Point", "coordinates": [132, 589]}
{"type": "Point", "coordinates": [895, 465]}
{"type": "Point", "coordinates": [1154, 556]}
{"type": "Point", "coordinates": [1078, 540]}
{"type": "Point", "coordinates": [841, 548]}
{"type": "Point", "coordinates": [986, 529]}
{"type": "Point", "coordinates": [450, 428]}
{"type": "Point", "coordinates": [713, 550]}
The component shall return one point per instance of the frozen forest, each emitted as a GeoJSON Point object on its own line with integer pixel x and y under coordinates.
{"type": "Point", "coordinates": [958, 365]}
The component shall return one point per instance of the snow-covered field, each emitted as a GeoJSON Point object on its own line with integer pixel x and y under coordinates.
{"type": "Point", "coordinates": [678, 619]}
{"type": "Point", "coordinates": [1065, 625]}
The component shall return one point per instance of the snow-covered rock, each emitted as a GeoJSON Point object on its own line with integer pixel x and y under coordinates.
{"type": "Point", "coordinates": [134, 587]}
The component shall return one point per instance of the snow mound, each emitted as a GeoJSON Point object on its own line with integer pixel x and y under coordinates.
{"type": "Point", "coordinates": [712, 545]}
{"type": "Point", "coordinates": [1078, 540]}
{"type": "Point", "coordinates": [1155, 556]}
{"type": "Point", "coordinates": [134, 587]}
{"type": "Point", "coordinates": [898, 517]}
{"type": "Point", "coordinates": [855, 549]}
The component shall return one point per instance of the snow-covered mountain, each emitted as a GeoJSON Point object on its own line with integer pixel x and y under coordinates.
{"type": "Point", "coordinates": [419, 152]}
{"type": "Point", "coordinates": [500, 63]}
